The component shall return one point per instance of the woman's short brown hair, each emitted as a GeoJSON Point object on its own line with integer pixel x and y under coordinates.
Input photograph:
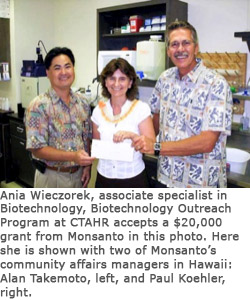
{"type": "Point", "coordinates": [122, 65]}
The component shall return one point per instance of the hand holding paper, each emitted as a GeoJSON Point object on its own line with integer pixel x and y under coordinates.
{"type": "Point", "coordinates": [120, 136]}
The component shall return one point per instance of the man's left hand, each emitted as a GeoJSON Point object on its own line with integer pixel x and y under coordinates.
{"type": "Point", "coordinates": [143, 144]}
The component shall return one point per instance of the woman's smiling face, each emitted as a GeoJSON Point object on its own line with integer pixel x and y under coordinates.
{"type": "Point", "coordinates": [118, 84]}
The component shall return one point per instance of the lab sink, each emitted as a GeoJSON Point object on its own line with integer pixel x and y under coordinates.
{"type": "Point", "coordinates": [238, 160]}
{"type": "Point", "coordinates": [240, 140]}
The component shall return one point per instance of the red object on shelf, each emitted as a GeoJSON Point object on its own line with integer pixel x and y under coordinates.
{"type": "Point", "coordinates": [136, 22]}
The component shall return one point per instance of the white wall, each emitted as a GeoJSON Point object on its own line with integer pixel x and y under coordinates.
{"type": "Point", "coordinates": [31, 21]}
{"type": "Point", "coordinates": [73, 24]}
{"type": "Point", "coordinates": [217, 20]}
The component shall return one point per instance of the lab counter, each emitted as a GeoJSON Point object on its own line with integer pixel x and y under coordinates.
{"type": "Point", "coordinates": [241, 140]}
{"type": "Point", "coordinates": [238, 180]}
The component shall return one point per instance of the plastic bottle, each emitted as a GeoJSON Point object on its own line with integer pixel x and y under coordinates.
{"type": "Point", "coordinates": [88, 94]}
{"type": "Point", "coordinates": [244, 122]}
{"type": "Point", "coordinates": [150, 57]}
{"type": "Point", "coordinates": [7, 104]}
{"type": "Point", "coordinates": [3, 103]}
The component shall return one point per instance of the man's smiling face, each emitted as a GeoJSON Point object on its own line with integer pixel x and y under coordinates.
{"type": "Point", "coordinates": [182, 50]}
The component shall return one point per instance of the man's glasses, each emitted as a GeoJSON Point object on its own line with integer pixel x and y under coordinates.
{"type": "Point", "coordinates": [184, 43]}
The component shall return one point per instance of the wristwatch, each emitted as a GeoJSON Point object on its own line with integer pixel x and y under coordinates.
{"type": "Point", "coordinates": [157, 148]}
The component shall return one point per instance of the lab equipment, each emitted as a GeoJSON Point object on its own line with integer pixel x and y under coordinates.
{"type": "Point", "coordinates": [106, 56]}
{"type": "Point", "coordinates": [34, 79]}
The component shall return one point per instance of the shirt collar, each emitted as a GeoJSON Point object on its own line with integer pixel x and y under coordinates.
{"type": "Point", "coordinates": [193, 74]}
{"type": "Point", "coordinates": [55, 98]}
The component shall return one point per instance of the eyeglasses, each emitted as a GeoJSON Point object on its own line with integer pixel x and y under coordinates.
{"type": "Point", "coordinates": [184, 43]}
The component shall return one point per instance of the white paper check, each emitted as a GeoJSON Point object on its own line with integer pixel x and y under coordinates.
{"type": "Point", "coordinates": [112, 151]}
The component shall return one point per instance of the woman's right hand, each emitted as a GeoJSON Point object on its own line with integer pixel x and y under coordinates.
{"type": "Point", "coordinates": [120, 136]}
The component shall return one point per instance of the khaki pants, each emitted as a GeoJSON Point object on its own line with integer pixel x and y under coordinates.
{"type": "Point", "coordinates": [54, 179]}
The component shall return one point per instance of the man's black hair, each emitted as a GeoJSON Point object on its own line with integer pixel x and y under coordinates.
{"type": "Point", "coordinates": [58, 51]}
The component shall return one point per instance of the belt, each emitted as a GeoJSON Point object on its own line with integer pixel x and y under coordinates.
{"type": "Point", "coordinates": [64, 169]}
